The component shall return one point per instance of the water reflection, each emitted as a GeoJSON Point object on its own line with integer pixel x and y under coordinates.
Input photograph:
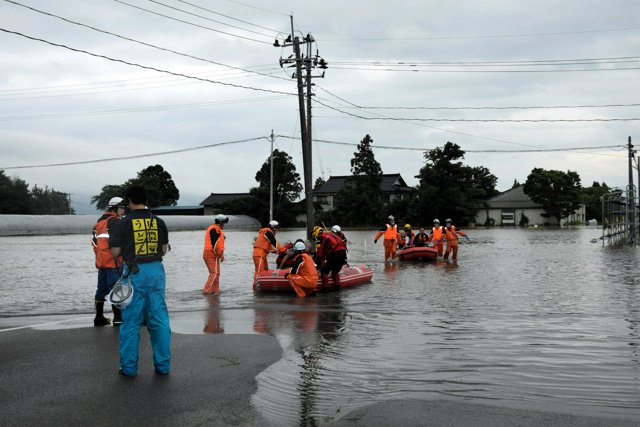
{"type": "Point", "coordinates": [213, 324]}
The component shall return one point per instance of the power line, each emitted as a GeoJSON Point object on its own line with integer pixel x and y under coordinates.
{"type": "Point", "coordinates": [484, 71]}
{"type": "Point", "coordinates": [406, 119]}
{"type": "Point", "coordinates": [146, 67]}
{"type": "Point", "coordinates": [259, 8]}
{"type": "Point", "coordinates": [363, 107]}
{"type": "Point", "coordinates": [227, 16]}
{"type": "Point", "coordinates": [113, 159]}
{"type": "Point", "coordinates": [132, 110]}
{"type": "Point", "coordinates": [138, 41]}
{"type": "Point", "coordinates": [209, 19]}
{"type": "Point", "coordinates": [190, 23]}
{"type": "Point", "coordinates": [573, 61]}
{"type": "Point", "coordinates": [539, 150]}
{"type": "Point", "coordinates": [484, 36]}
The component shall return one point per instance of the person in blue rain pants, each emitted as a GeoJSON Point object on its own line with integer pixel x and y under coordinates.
{"type": "Point", "coordinates": [142, 239]}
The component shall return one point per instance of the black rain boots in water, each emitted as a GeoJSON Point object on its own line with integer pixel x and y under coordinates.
{"type": "Point", "coordinates": [100, 320]}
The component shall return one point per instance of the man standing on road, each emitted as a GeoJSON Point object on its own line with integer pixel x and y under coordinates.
{"type": "Point", "coordinates": [142, 239]}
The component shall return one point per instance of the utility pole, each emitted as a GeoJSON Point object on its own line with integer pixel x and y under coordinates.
{"type": "Point", "coordinates": [308, 63]}
{"type": "Point", "coordinates": [631, 214]}
{"type": "Point", "coordinates": [271, 181]}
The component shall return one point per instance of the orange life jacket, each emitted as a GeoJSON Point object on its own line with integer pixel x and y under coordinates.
{"type": "Point", "coordinates": [218, 246]}
{"type": "Point", "coordinates": [100, 242]}
{"type": "Point", "coordinates": [452, 233]}
{"type": "Point", "coordinates": [391, 233]}
{"type": "Point", "coordinates": [436, 233]}
{"type": "Point", "coordinates": [330, 244]}
{"type": "Point", "coordinates": [304, 266]}
{"type": "Point", "coordinates": [262, 245]}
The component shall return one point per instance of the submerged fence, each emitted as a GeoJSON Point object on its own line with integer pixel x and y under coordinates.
{"type": "Point", "coordinates": [620, 217]}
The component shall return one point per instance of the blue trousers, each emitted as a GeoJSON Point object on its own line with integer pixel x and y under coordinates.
{"type": "Point", "coordinates": [148, 304]}
{"type": "Point", "coordinates": [107, 277]}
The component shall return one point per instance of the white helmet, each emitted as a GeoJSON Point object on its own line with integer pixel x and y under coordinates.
{"type": "Point", "coordinates": [273, 223]}
{"type": "Point", "coordinates": [436, 221]}
{"type": "Point", "coordinates": [221, 219]}
{"type": "Point", "coordinates": [115, 201]}
{"type": "Point", "coordinates": [336, 229]}
{"type": "Point", "coordinates": [299, 246]}
{"type": "Point", "coordinates": [121, 294]}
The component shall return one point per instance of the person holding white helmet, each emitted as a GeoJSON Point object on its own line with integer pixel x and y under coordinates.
{"type": "Point", "coordinates": [437, 236]}
{"type": "Point", "coordinates": [265, 243]}
{"type": "Point", "coordinates": [391, 237]}
{"type": "Point", "coordinates": [213, 253]}
{"type": "Point", "coordinates": [107, 266]}
{"type": "Point", "coordinates": [303, 277]}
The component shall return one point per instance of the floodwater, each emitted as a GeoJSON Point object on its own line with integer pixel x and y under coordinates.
{"type": "Point", "coordinates": [536, 319]}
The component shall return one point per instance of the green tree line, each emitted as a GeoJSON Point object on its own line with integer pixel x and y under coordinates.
{"type": "Point", "coordinates": [17, 199]}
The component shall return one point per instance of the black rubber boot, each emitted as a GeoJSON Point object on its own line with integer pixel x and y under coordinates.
{"type": "Point", "coordinates": [117, 315]}
{"type": "Point", "coordinates": [100, 320]}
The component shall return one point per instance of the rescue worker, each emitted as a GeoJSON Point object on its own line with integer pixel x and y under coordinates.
{"type": "Point", "coordinates": [213, 253]}
{"type": "Point", "coordinates": [421, 239]}
{"type": "Point", "coordinates": [108, 267]}
{"type": "Point", "coordinates": [303, 276]}
{"type": "Point", "coordinates": [285, 258]}
{"type": "Point", "coordinates": [390, 232]}
{"type": "Point", "coordinates": [437, 236]}
{"type": "Point", "coordinates": [452, 233]}
{"type": "Point", "coordinates": [265, 242]}
{"type": "Point", "coordinates": [332, 255]}
{"type": "Point", "coordinates": [142, 239]}
{"type": "Point", "coordinates": [409, 235]}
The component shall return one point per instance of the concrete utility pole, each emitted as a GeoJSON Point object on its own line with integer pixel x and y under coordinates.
{"type": "Point", "coordinates": [309, 63]}
{"type": "Point", "coordinates": [271, 181]}
{"type": "Point", "coordinates": [631, 215]}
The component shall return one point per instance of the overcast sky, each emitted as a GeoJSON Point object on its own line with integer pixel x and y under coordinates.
{"type": "Point", "coordinates": [408, 59]}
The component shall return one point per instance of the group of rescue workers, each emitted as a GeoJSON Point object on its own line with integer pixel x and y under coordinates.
{"type": "Point", "coordinates": [400, 239]}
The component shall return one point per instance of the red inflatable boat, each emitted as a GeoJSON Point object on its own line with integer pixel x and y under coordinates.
{"type": "Point", "coordinates": [274, 281]}
{"type": "Point", "coordinates": [417, 253]}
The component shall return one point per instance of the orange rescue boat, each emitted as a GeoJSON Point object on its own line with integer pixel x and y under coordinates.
{"type": "Point", "coordinates": [274, 280]}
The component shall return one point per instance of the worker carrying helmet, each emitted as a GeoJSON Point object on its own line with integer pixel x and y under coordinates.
{"type": "Point", "coordinates": [303, 277]}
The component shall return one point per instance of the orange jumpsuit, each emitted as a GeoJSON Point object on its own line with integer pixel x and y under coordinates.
{"type": "Point", "coordinates": [213, 254]}
{"type": "Point", "coordinates": [391, 238]}
{"type": "Point", "coordinates": [452, 241]}
{"type": "Point", "coordinates": [265, 243]}
{"type": "Point", "coordinates": [303, 277]}
{"type": "Point", "coordinates": [437, 237]}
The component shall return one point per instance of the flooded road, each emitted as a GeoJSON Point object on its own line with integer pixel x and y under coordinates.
{"type": "Point", "coordinates": [535, 319]}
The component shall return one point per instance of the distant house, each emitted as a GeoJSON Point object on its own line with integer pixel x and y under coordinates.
{"type": "Point", "coordinates": [393, 188]}
{"type": "Point", "coordinates": [214, 200]}
{"type": "Point", "coordinates": [508, 207]}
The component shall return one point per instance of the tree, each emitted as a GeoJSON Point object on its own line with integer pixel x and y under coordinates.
{"type": "Point", "coordinates": [158, 182]}
{"type": "Point", "coordinates": [558, 192]}
{"type": "Point", "coordinates": [14, 195]}
{"type": "Point", "coordinates": [591, 197]}
{"type": "Point", "coordinates": [319, 182]}
{"type": "Point", "coordinates": [360, 200]}
{"type": "Point", "coordinates": [50, 202]}
{"type": "Point", "coordinates": [447, 188]}
{"type": "Point", "coordinates": [286, 189]}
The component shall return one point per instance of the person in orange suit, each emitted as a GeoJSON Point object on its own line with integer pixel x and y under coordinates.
{"type": "Point", "coordinates": [303, 277]}
{"type": "Point", "coordinates": [452, 233]}
{"type": "Point", "coordinates": [391, 237]}
{"type": "Point", "coordinates": [265, 242]}
{"type": "Point", "coordinates": [437, 236]}
{"type": "Point", "coordinates": [213, 253]}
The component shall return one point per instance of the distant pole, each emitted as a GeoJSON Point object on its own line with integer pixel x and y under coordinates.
{"type": "Point", "coordinates": [271, 181]}
{"type": "Point", "coordinates": [630, 217]}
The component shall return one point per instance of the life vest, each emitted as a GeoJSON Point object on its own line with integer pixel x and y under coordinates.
{"type": "Point", "coordinates": [218, 246]}
{"type": "Point", "coordinates": [450, 233]}
{"type": "Point", "coordinates": [330, 244]}
{"type": "Point", "coordinates": [303, 265]}
{"type": "Point", "coordinates": [391, 233]}
{"type": "Point", "coordinates": [100, 242]}
{"type": "Point", "coordinates": [263, 245]}
{"type": "Point", "coordinates": [436, 234]}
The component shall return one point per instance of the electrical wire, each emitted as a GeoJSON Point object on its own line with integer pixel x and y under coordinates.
{"type": "Point", "coordinates": [211, 20]}
{"type": "Point", "coordinates": [138, 41]}
{"type": "Point", "coordinates": [227, 16]}
{"type": "Point", "coordinates": [406, 119]}
{"type": "Point", "coordinates": [538, 150]}
{"type": "Point", "coordinates": [190, 23]}
{"type": "Point", "coordinates": [484, 71]}
{"type": "Point", "coordinates": [258, 8]}
{"type": "Point", "coordinates": [146, 67]}
{"type": "Point", "coordinates": [113, 159]}
{"type": "Point", "coordinates": [363, 107]}
{"type": "Point", "coordinates": [573, 61]}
